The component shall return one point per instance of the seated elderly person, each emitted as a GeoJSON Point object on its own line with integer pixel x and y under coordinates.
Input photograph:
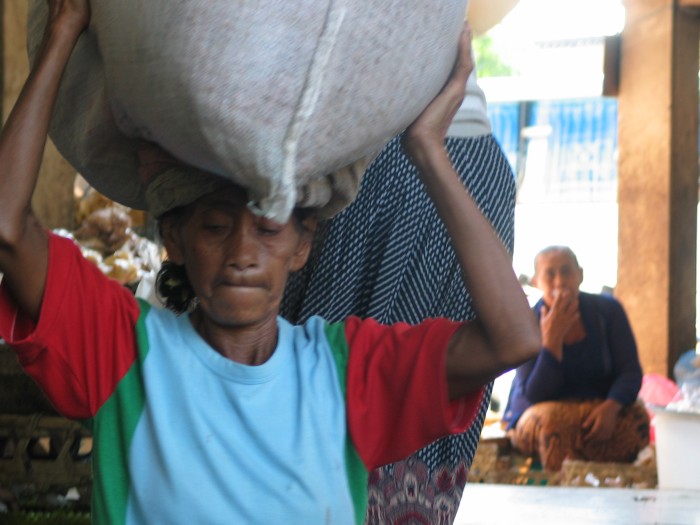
{"type": "Point", "coordinates": [577, 398]}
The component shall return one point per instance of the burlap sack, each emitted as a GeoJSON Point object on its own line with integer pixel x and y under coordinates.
{"type": "Point", "coordinates": [275, 95]}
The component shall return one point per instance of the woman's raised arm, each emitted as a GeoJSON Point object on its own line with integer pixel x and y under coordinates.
{"type": "Point", "coordinates": [505, 332]}
{"type": "Point", "coordinates": [23, 243]}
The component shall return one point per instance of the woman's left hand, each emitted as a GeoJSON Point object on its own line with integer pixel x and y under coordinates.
{"type": "Point", "coordinates": [600, 424]}
{"type": "Point", "coordinates": [430, 127]}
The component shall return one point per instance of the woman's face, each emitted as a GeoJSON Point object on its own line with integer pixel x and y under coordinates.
{"type": "Point", "coordinates": [556, 272]}
{"type": "Point", "coordinates": [237, 262]}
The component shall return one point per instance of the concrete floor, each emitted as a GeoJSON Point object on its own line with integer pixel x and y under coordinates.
{"type": "Point", "coordinates": [484, 504]}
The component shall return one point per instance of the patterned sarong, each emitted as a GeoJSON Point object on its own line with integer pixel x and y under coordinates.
{"type": "Point", "coordinates": [551, 431]}
{"type": "Point", "coordinates": [388, 256]}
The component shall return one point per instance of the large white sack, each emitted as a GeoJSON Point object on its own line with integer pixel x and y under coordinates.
{"type": "Point", "coordinates": [275, 95]}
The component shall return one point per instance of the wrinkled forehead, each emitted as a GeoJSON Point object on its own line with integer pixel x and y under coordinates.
{"type": "Point", "coordinates": [233, 201]}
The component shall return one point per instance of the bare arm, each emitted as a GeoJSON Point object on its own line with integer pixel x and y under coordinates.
{"type": "Point", "coordinates": [23, 243]}
{"type": "Point", "coordinates": [505, 332]}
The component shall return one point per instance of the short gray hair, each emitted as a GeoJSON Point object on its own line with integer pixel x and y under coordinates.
{"type": "Point", "coordinates": [556, 248]}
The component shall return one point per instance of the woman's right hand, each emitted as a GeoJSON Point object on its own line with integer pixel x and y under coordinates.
{"type": "Point", "coordinates": [23, 241]}
{"type": "Point", "coordinates": [68, 15]}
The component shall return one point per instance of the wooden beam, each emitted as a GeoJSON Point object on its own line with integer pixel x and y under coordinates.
{"type": "Point", "coordinates": [611, 65]}
{"type": "Point", "coordinates": [689, 4]}
{"type": "Point", "coordinates": [658, 180]}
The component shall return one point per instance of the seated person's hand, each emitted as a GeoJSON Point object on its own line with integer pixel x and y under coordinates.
{"type": "Point", "coordinates": [600, 424]}
{"type": "Point", "coordinates": [555, 321]}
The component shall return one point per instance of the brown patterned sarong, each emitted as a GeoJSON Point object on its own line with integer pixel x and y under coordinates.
{"type": "Point", "coordinates": [552, 431]}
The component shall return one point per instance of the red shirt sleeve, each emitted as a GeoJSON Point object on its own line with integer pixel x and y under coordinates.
{"type": "Point", "coordinates": [84, 341]}
{"type": "Point", "coordinates": [397, 389]}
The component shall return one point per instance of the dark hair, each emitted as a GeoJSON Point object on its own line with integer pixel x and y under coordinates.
{"type": "Point", "coordinates": [301, 214]}
{"type": "Point", "coordinates": [173, 286]}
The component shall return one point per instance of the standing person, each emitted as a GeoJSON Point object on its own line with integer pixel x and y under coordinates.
{"type": "Point", "coordinates": [389, 257]}
{"type": "Point", "coordinates": [577, 398]}
{"type": "Point", "coordinates": [217, 410]}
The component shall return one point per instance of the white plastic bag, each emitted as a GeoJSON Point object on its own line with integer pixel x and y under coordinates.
{"type": "Point", "coordinates": [275, 95]}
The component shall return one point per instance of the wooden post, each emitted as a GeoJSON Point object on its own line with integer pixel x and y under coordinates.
{"type": "Point", "coordinates": [658, 178]}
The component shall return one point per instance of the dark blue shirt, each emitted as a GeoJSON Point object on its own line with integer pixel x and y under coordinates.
{"type": "Point", "coordinates": [604, 365]}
